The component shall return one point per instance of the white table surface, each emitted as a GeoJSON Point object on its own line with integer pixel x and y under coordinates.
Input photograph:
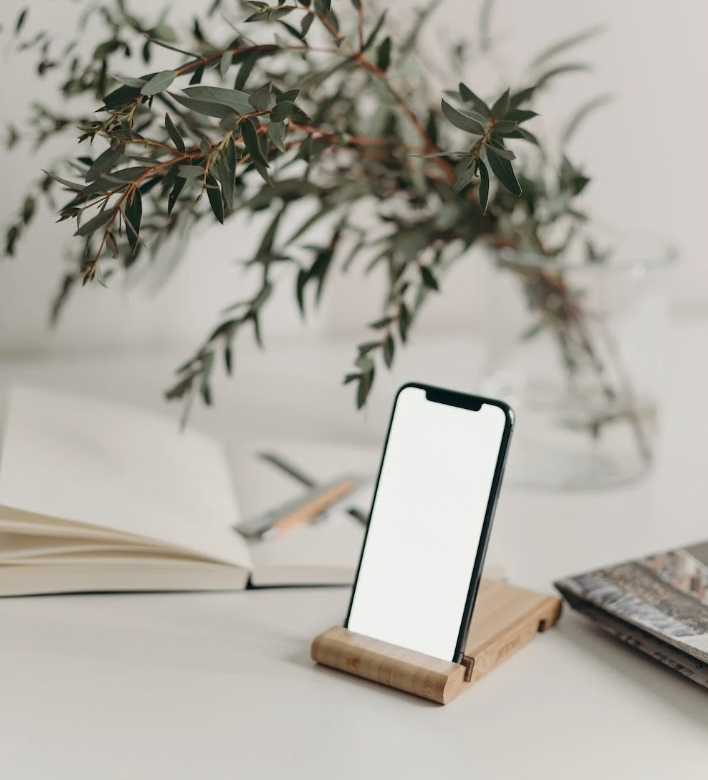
{"type": "Point", "coordinates": [217, 686]}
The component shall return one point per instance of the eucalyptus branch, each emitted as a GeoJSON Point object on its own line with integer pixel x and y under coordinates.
{"type": "Point", "coordinates": [196, 374]}
{"type": "Point", "coordinates": [244, 123]}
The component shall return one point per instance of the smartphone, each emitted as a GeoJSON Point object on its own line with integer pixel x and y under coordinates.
{"type": "Point", "coordinates": [430, 520]}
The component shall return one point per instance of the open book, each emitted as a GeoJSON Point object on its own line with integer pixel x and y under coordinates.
{"type": "Point", "coordinates": [97, 496]}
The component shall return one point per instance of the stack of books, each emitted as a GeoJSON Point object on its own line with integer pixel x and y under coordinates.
{"type": "Point", "coordinates": [657, 604]}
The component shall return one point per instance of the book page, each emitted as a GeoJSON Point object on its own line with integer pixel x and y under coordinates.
{"type": "Point", "coordinates": [110, 575]}
{"type": "Point", "coordinates": [33, 549]}
{"type": "Point", "coordinates": [119, 468]}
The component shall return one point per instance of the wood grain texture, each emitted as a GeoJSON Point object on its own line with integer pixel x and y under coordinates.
{"type": "Point", "coordinates": [505, 619]}
{"type": "Point", "coordinates": [406, 670]}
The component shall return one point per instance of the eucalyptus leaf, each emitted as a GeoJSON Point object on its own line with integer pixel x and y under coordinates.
{"type": "Point", "coordinates": [504, 126]}
{"type": "Point", "coordinates": [366, 381]}
{"type": "Point", "coordinates": [158, 83]}
{"type": "Point", "coordinates": [503, 170]}
{"type": "Point", "coordinates": [245, 70]}
{"type": "Point", "coordinates": [429, 279]}
{"type": "Point", "coordinates": [474, 100]}
{"type": "Point", "coordinates": [174, 195]}
{"type": "Point", "coordinates": [96, 223]}
{"type": "Point", "coordinates": [389, 349]}
{"type": "Point", "coordinates": [303, 277]}
{"type": "Point", "coordinates": [276, 133]}
{"type": "Point", "coordinates": [214, 196]}
{"type": "Point", "coordinates": [282, 111]}
{"type": "Point", "coordinates": [383, 56]}
{"type": "Point", "coordinates": [105, 49]}
{"type": "Point", "coordinates": [227, 172]}
{"type": "Point", "coordinates": [404, 321]}
{"type": "Point", "coordinates": [262, 98]}
{"type": "Point", "coordinates": [207, 108]}
{"type": "Point", "coordinates": [306, 23]}
{"type": "Point", "coordinates": [483, 186]}
{"type": "Point", "coordinates": [289, 95]}
{"type": "Point", "coordinates": [501, 105]}
{"type": "Point", "coordinates": [231, 98]}
{"type": "Point", "coordinates": [281, 12]}
{"type": "Point", "coordinates": [293, 31]}
{"type": "Point", "coordinates": [131, 82]}
{"type": "Point", "coordinates": [190, 172]}
{"type": "Point", "coordinates": [121, 96]}
{"type": "Point", "coordinates": [28, 209]}
{"type": "Point", "coordinates": [433, 155]}
{"type": "Point", "coordinates": [197, 75]}
{"type": "Point", "coordinates": [228, 359]}
{"type": "Point", "coordinates": [13, 233]}
{"type": "Point", "coordinates": [464, 179]}
{"type": "Point", "coordinates": [499, 151]}
{"type": "Point", "coordinates": [461, 121]}
{"type": "Point", "coordinates": [133, 214]}
{"type": "Point", "coordinates": [225, 63]}
{"type": "Point", "coordinates": [476, 116]}
{"type": "Point", "coordinates": [125, 174]}
{"type": "Point", "coordinates": [520, 115]}
{"type": "Point", "coordinates": [64, 182]}
{"type": "Point", "coordinates": [571, 67]}
{"type": "Point", "coordinates": [364, 361]}
{"type": "Point", "coordinates": [104, 163]}
{"type": "Point", "coordinates": [21, 19]}
{"type": "Point", "coordinates": [252, 142]}
{"type": "Point", "coordinates": [174, 134]}
{"type": "Point", "coordinates": [521, 132]}
{"type": "Point", "coordinates": [368, 43]}
{"type": "Point", "coordinates": [522, 96]}
{"type": "Point", "coordinates": [384, 322]}
{"type": "Point", "coordinates": [102, 184]}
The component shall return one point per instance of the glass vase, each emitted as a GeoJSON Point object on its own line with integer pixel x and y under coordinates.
{"type": "Point", "coordinates": [577, 348]}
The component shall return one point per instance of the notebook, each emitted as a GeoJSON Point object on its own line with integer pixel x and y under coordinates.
{"type": "Point", "coordinates": [96, 496]}
{"type": "Point", "coordinates": [657, 604]}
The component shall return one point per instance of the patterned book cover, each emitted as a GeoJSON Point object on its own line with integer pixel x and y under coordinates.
{"type": "Point", "coordinates": [657, 604]}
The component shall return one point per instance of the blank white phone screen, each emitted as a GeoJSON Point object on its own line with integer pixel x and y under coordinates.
{"type": "Point", "coordinates": [426, 523]}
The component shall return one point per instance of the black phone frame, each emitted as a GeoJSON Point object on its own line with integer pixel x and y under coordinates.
{"type": "Point", "coordinates": [474, 403]}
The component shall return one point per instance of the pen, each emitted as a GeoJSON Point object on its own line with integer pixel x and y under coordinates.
{"type": "Point", "coordinates": [294, 471]}
{"type": "Point", "coordinates": [281, 518]}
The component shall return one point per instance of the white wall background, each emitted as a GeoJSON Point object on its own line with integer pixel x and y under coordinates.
{"type": "Point", "coordinates": [646, 153]}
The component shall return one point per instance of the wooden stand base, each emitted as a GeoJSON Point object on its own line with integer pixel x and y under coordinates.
{"type": "Point", "coordinates": [505, 619]}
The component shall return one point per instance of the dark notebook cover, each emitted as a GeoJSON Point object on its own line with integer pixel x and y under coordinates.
{"type": "Point", "coordinates": [658, 605]}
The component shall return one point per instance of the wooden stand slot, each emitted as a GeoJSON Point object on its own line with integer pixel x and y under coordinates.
{"type": "Point", "coordinates": [505, 619]}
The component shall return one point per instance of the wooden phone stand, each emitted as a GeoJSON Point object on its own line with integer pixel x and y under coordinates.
{"type": "Point", "coordinates": [505, 619]}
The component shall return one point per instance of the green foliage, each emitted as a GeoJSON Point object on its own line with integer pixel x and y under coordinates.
{"type": "Point", "coordinates": [308, 102]}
